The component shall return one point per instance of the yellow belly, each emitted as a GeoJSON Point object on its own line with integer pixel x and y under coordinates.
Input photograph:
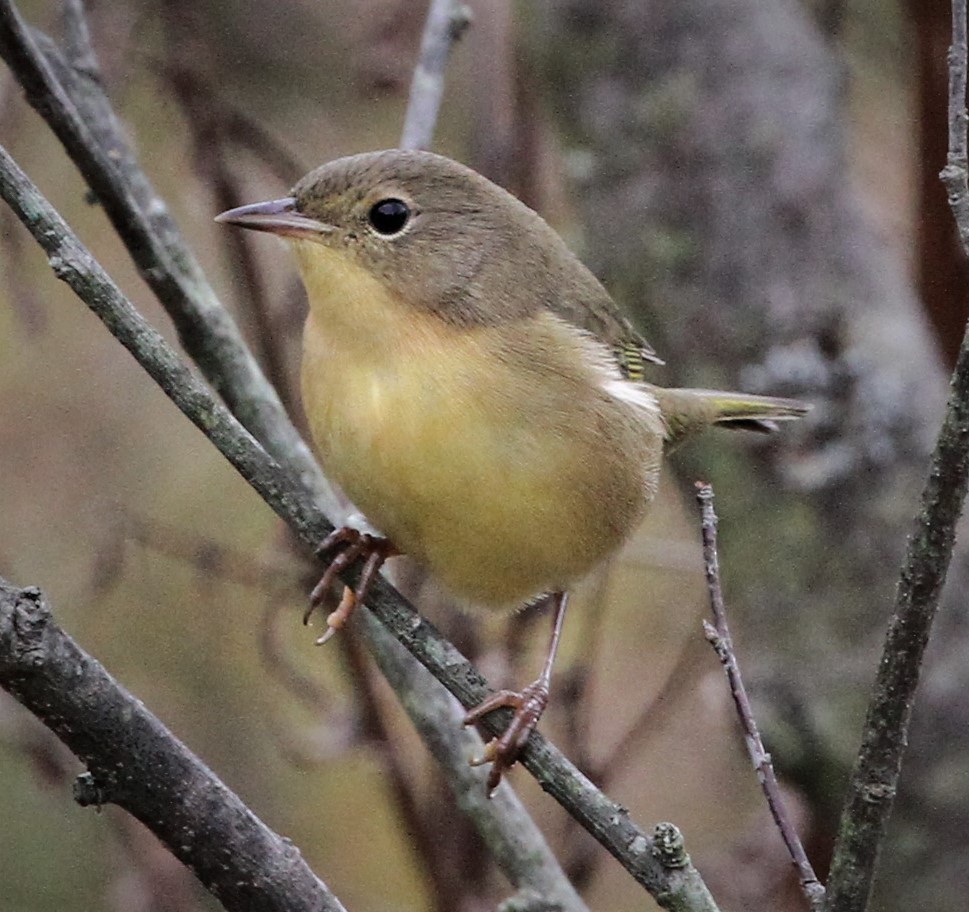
{"type": "Point", "coordinates": [503, 486]}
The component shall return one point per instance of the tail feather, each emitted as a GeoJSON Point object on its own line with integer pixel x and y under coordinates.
{"type": "Point", "coordinates": [689, 411]}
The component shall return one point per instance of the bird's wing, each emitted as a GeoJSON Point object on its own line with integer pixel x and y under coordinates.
{"type": "Point", "coordinates": [549, 275]}
{"type": "Point", "coordinates": [589, 306]}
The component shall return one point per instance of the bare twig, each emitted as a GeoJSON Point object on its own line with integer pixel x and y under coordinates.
{"type": "Point", "coordinates": [248, 134]}
{"type": "Point", "coordinates": [954, 174]}
{"type": "Point", "coordinates": [22, 296]}
{"type": "Point", "coordinates": [446, 21]}
{"type": "Point", "coordinates": [143, 867]}
{"type": "Point", "coordinates": [135, 762]}
{"type": "Point", "coordinates": [581, 711]}
{"type": "Point", "coordinates": [311, 694]}
{"type": "Point", "coordinates": [184, 74]}
{"type": "Point", "coordinates": [652, 715]}
{"type": "Point", "coordinates": [402, 787]}
{"type": "Point", "coordinates": [874, 780]}
{"type": "Point", "coordinates": [78, 48]}
{"type": "Point", "coordinates": [72, 263]}
{"type": "Point", "coordinates": [719, 637]}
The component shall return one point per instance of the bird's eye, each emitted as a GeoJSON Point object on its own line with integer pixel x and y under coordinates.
{"type": "Point", "coordinates": [389, 216]}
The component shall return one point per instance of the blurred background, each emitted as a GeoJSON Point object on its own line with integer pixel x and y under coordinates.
{"type": "Point", "coordinates": [757, 184]}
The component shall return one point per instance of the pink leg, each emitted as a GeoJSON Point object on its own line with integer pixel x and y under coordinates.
{"type": "Point", "coordinates": [529, 704]}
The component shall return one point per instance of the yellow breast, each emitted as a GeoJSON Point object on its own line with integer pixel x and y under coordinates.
{"type": "Point", "coordinates": [493, 454]}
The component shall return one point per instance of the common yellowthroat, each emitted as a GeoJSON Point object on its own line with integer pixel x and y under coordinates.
{"type": "Point", "coordinates": [474, 389]}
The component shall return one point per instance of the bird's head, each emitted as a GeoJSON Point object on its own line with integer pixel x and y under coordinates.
{"type": "Point", "coordinates": [439, 235]}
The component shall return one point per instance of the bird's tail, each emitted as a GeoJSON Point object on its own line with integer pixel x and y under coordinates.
{"type": "Point", "coordinates": [689, 411]}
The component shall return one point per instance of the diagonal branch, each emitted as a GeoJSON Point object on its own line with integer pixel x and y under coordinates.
{"type": "Point", "coordinates": [874, 781]}
{"type": "Point", "coordinates": [135, 762]}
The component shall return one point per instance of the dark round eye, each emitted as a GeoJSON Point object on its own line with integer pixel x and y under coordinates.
{"type": "Point", "coordinates": [389, 216]}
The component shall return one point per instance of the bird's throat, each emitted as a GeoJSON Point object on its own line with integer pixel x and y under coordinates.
{"type": "Point", "coordinates": [358, 310]}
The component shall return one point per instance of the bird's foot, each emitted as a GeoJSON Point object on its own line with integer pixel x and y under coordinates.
{"type": "Point", "coordinates": [502, 752]}
{"type": "Point", "coordinates": [353, 545]}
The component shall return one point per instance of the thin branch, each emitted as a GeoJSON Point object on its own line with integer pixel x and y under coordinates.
{"type": "Point", "coordinates": [135, 762]}
{"type": "Point", "coordinates": [288, 496]}
{"type": "Point", "coordinates": [874, 780]}
{"type": "Point", "coordinates": [420, 812]}
{"type": "Point", "coordinates": [246, 133]}
{"type": "Point", "coordinates": [446, 20]}
{"type": "Point", "coordinates": [304, 689]}
{"type": "Point", "coordinates": [78, 47]}
{"type": "Point", "coordinates": [579, 700]}
{"type": "Point", "coordinates": [718, 635]}
{"type": "Point", "coordinates": [143, 867]}
{"type": "Point", "coordinates": [336, 728]}
{"type": "Point", "coordinates": [954, 174]}
{"type": "Point", "coordinates": [73, 264]}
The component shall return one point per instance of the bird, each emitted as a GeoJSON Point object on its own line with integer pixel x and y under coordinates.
{"type": "Point", "coordinates": [475, 391]}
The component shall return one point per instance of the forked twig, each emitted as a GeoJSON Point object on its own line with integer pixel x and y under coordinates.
{"type": "Point", "coordinates": [718, 635]}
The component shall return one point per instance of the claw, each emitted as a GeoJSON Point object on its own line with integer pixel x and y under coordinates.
{"type": "Point", "coordinates": [337, 618]}
{"type": "Point", "coordinates": [356, 545]}
{"type": "Point", "coordinates": [502, 752]}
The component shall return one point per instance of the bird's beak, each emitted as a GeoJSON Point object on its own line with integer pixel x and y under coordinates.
{"type": "Point", "coordinates": [278, 216]}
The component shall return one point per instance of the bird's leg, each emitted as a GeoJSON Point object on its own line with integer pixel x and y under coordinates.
{"type": "Point", "coordinates": [529, 704]}
{"type": "Point", "coordinates": [355, 545]}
